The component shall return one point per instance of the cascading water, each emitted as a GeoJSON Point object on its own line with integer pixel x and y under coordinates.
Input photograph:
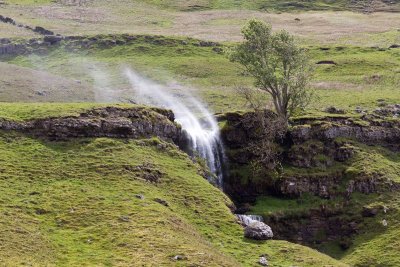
{"type": "Point", "coordinates": [196, 120]}
{"type": "Point", "coordinates": [247, 219]}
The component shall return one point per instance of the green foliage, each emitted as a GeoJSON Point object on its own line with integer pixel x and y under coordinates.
{"type": "Point", "coordinates": [75, 203]}
{"type": "Point", "coordinates": [277, 64]}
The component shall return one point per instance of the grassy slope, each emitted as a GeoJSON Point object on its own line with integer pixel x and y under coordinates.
{"type": "Point", "coordinates": [222, 20]}
{"type": "Point", "coordinates": [374, 245]}
{"type": "Point", "coordinates": [348, 84]}
{"type": "Point", "coordinates": [73, 204]}
{"type": "Point", "coordinates": [271, 5]}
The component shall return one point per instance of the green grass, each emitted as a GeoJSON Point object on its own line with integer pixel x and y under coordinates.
{"type": "Point", "coordinates": [372, 238]}
{"type": "Point", "coordinates": [374, 160]}
{"type": "Point", "coordinates": [267, 205]}
{"type": "Point", "coordinates": [210, 75]}
{"type": "Point", "coordinates": [29, 2]}
{"type": "Point", "coordinates": [270, 5]}
{"type": "Point", "coordinates": [27, 111]}
{"type": "Point", "coordinates": [73, 203]}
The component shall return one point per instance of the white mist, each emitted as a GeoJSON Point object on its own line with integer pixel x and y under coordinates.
{"type": "Point", "coordinates": [196, 120]}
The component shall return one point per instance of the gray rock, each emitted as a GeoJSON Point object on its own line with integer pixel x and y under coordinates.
{"type": "Point", "coordinates": [258, 230]}
{"type": "Point", "coordinates": [334, 110]}
{"type": "Point", "coordinates": [263, 261]}
{"type": "Point", "coordinates": [124, 218]}
{"type": "Point", "coordinates": [104, 122]}
{"type": "Point", "coordinates": [179, 257]}
{"type": "Point", "coordinates": [162, 202]}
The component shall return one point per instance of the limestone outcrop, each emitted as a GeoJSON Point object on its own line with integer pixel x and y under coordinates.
{"type": "Point", "coordinates": [136, 122]}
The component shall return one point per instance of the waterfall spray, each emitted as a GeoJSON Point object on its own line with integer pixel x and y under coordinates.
{"type": "Point", "coordinates": [196, 120]}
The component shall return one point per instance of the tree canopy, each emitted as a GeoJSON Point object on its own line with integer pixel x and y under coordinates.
{"type": "Point", "coordinates": [279, 66]}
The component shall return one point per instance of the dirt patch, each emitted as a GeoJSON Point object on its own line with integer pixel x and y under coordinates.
{"type": "Point", "coordinates": [329, 85]}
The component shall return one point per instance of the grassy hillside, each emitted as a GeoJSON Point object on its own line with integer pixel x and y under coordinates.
{"type": "Point", "coordinates": [373, 245]}
{"type": "Point", "coordinates": [359, 77]}
{"type": "Point", "coordinates": [210, 20]}
{"type": "Point", "coordinates": [76, 203]}
{"type": "Point", "coordinates": [276, 5]}
{"type": "Point", "coordinates": [371, 237]}
{"type": "Point", "coordinates": [270, 5]}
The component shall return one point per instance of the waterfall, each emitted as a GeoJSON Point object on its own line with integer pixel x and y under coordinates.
{"type": "Point", "coordinates": [247, 219]}
{"type": "Point", "coordinates": [199, 124]}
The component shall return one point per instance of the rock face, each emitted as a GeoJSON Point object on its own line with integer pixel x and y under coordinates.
{"type": "Point", "coordinates": [137, 122]}
{"type": "Point", "coordinates": [365, 134]}
{"type": "Point", "coordinates": [314, 226]}
{"type": "Point", "coordinates": [310, 143]}
{"type": "Point", "coordinates": [258, 231]}
{"type": "Point", "coordinates": [323, 157]}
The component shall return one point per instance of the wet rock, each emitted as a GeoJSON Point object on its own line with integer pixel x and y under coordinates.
{"type": "Point", "coordinates": [243, 208]}
{"type": "Point", "coordinates": [258, 231]}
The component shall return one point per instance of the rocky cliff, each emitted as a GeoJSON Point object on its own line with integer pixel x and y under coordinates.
{"type": "Point", "coordinates": [135, 122]}
{"type": "Point", "coordinates": [330, 163]}
{"type": "Point", "coordinates": [314, 153]}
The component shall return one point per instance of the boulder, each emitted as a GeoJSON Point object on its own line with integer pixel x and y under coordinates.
{"type": "Point", "coordinates": [334, 110]}
{"type": "Point", "coordinates": [52, 39]}
{"type": "Point", "coordinates": [263, 261]}
{"type": "Point", "coordinates": [369, 211]}
{"type": "Point", "coordinates": [258, 231]}
{"type": "Point", "coordinates": [42, 31]}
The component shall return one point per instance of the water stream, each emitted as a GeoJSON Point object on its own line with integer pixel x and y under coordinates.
{"type": "Point", "coordinates": [199, 124]}
{"type": "Point", "coordinates": [247, 219]}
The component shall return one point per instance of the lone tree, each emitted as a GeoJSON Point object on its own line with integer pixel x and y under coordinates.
{"type": "Point", "coordinates": [278, 65]}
